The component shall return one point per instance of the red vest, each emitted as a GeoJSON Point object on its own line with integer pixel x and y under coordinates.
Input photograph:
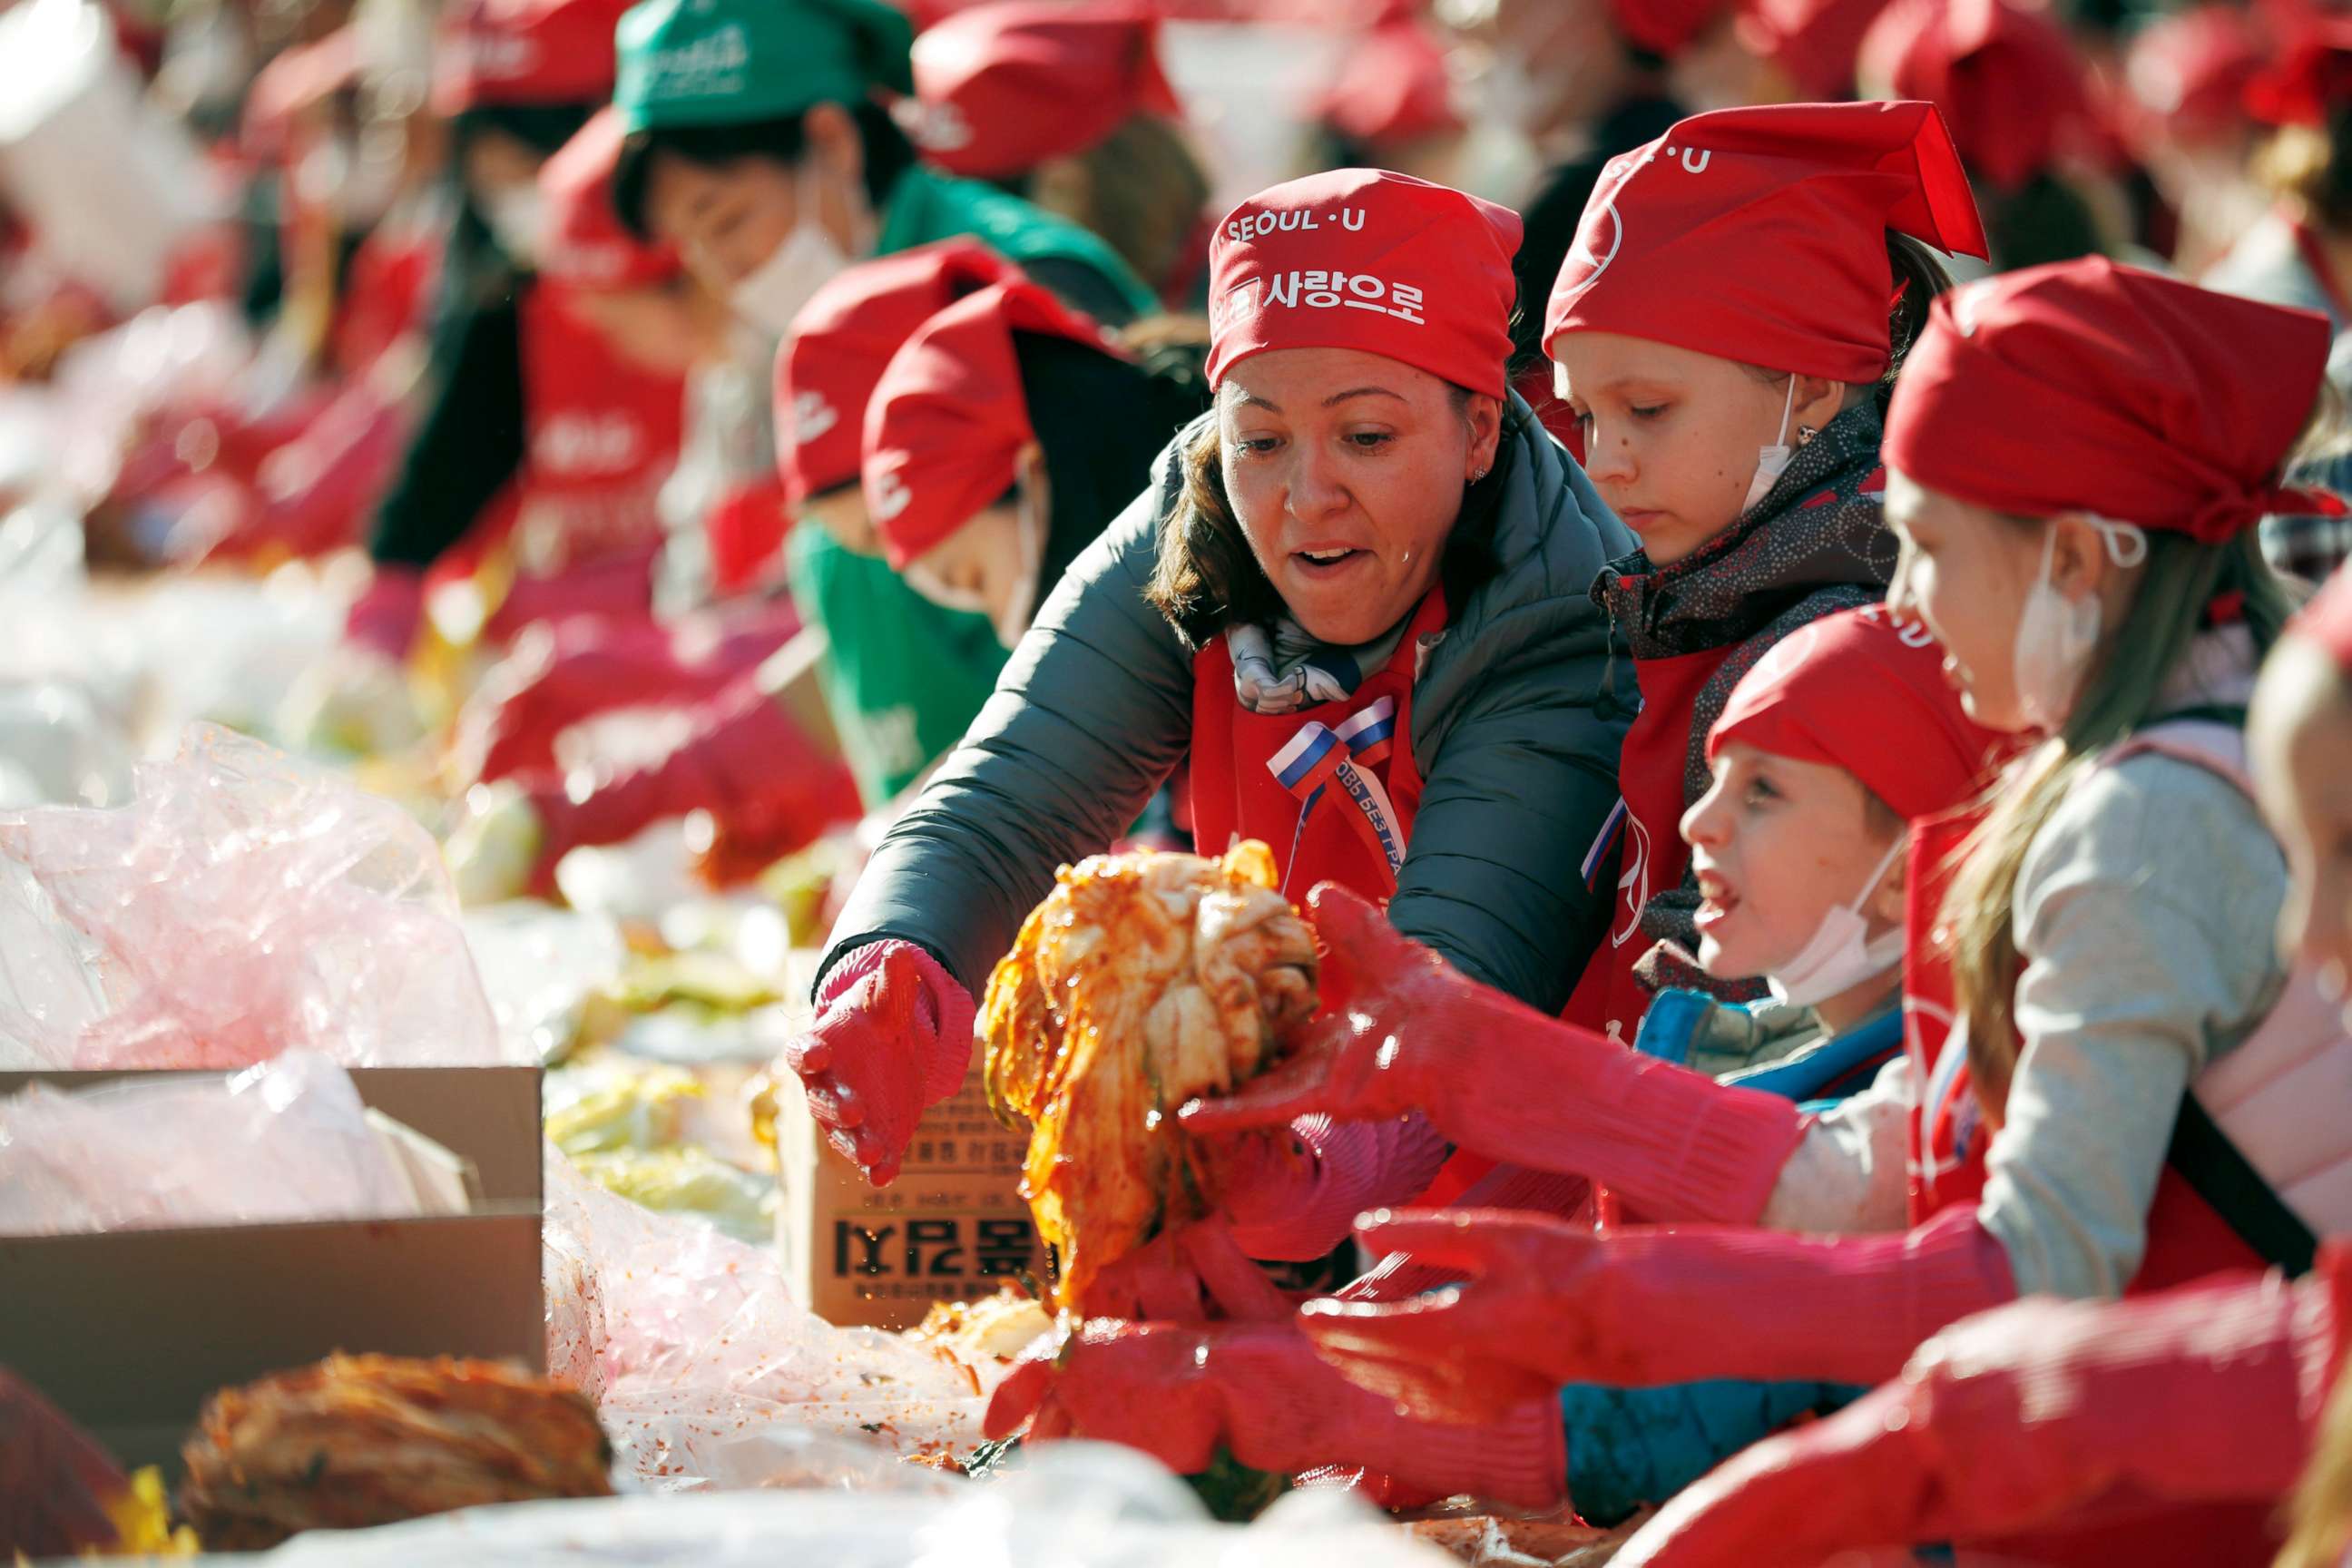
{"type": "Point", "coordinates": [601, 435]}
{"type": "Point", "coordinates": [1345, 833]}
{"type": "Point", "coordinates": [1651, 858]}
{"type": "Point", "coordinates": [2187, 1238]}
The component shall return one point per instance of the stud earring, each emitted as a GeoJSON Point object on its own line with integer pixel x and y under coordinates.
{"type": "Point", "coordinates": [1805, 433]}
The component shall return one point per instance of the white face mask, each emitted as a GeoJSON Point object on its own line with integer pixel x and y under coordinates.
{"type": "Point", "coordinates": [1021, 606]}
{"type": "Point", "coordinates": [807, 260]}
{"type": "Point", "coordinates": [1771, 461]}
{"type": "Point", "coordinates": [2057, 636]}
{"type": "Point", "coordinates": [1010, 619]}
{"type": "Point", "coordinates": [1842, 954]}
{"type": "Point", "coordinates": [515, 216]}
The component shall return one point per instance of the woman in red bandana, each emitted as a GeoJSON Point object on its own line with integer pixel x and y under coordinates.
{"type": "Point", "coordinates": [1731, 416]}
{"type": "Point", "coordinates": [545, 440]}
{"type": "Point", "coordinates": [2116, 1085]}
{"type": "Point", "coordinates": [1354, 595]}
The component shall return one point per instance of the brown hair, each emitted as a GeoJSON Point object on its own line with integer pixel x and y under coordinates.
{"type": "Point", "coordinates": [2311, 167]}
{"type": "Point", "coordinates": [2119, 693]}
{"type": "Point", "coordinates": [1140, 188]}
{"type": "Point", "coordinates": [2320, 1514]}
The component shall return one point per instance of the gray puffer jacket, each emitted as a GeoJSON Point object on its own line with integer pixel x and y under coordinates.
{"type": "Point", "coordinates": [1516, 720]}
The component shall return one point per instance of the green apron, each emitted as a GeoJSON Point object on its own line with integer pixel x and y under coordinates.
{"type": "Point", "coordinates": [902, 677]}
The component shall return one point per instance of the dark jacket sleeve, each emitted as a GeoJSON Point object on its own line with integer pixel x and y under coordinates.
{"type": "Point", "coordinates": [471, 443]}
{"type": "Point", "coordinates": [1091, 714]}
{"type": "Point", "coordinates": [1522, 774]}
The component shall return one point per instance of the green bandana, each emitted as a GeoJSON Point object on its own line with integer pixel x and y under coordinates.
{"type": "Point", "coordinates": [729, 62]}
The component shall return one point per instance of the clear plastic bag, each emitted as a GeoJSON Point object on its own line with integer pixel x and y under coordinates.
{"type": "Point", "coordinates": [702, 1363]}
{"type": "Point", "coordinates": [240, 906]}
{"type": "Point", "coordinates": [1073, 1506]}
{"type": "Point", "coordinates": [540, 966]}
{"type": "Point", "coordinates": [287, 1140]}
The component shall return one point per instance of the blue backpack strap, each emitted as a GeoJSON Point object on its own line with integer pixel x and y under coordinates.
{"type": "Point", "coordinates": [1672, 1023]}
{"type": "Point", "coordinates": [1838, 1067]}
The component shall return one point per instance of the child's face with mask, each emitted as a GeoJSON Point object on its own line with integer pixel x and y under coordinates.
{"type": "Point", "coordinates": [1779, 845]}
{"type": "Point", "coordinates": [990, 565]}
{"type": "Point", "coordinates": [1673, 437]}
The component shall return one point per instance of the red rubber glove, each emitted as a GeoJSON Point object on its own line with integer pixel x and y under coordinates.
{"type": "Point", "coordinates": [1193, 1275]}
{"type": "Point", "coordinates": [1551, 1304]}
{"type": "Point", "coordinates": [892, 1037]}
{"type": "Point", "coordinates": [557, 676]}
{"type": "Point", "coordinates": [1402, 1030]}
{"type": "Point", "coordinates": [1258, 1391]}
{"type": "Point", "coordinates": [55, 1480]}
{"type": "Point", "coordinates": [2008, 1421]}
{"type": "Point", "coordinates": [318, 490]}
{"type": "Point", "coordinates": [384, 619]}
{"type": "Point", "coordinates": [745, 762]}
{"type": "Point", "coordinates": [619, 586]}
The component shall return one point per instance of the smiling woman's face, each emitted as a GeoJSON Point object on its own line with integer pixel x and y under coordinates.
{"type": "Point", "coordinates": [1346, 472]}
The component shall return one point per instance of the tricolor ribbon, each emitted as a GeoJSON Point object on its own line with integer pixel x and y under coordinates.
{"type": "Point", "coordinates": [1318, 756]}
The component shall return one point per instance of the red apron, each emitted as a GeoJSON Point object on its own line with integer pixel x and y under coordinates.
{"type": "Point", "coordinates": [601, 434]}
{"type": "Point", "coordinates": [1653, 857]}
{"type": "Point", "coordinates": [1340, 834]}
{"type": "Point", "coordinates": [387, 293]}
{"type": "Point", "coordinates": [2187, 1239]}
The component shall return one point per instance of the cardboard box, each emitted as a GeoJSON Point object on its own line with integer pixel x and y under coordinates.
{"type": "Point", "coordinates": [952, 1228]}
{"type": "Point", "coordinates": [130, 1331]}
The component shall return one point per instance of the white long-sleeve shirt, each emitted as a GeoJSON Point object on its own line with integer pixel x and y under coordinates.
{"type": "Point", "coordinates": [2145, 909]}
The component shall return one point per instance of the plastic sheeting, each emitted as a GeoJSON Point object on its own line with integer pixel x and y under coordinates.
{"type": "Point", "coordinates": [240, 906]}
{"type": "Point", "coordinates": [1071, 1505]}
{"type": "Point", "coordinates": [708, 1372]}
{"type": "Point", "coordinates": [287, 1140]}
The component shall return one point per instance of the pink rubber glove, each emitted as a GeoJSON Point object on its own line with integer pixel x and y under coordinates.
{"type": "Point", "coordinates": [1548, 1303]}
{"type": "Point", "coordinates": [1193, 1275]}
{"type": "Point", "coordinates": [745, 762]}
{"type": "Point", "coordinates": [383, 619]}
{"type": "Point", "coordinates": [558, 675]}
{"type": "Point", "coordinates": [1258, 1391]}
{"type": "Point", "coordinates": [1294, 1195]}
{"type": "Point", "coordinates": [55, 1482]}
{"type": "Point", "coordinates": [619, 585]}
{"type": "Point", "coordinates": [2007, 1422]}
{"type": "Point", "coordinates": [1401, 1030]}
{"type": "Point", "coordinates": [317, 490]}
{"type": "Point", "coordinates": [892, 1037]}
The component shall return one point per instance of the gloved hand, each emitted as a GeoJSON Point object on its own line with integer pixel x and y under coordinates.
{"type": "Point", "coordinates": [1402, 1030]}
{"type": "Point", "coordinates": [1550, 1304]}
{"type": "Point", "coordinates": [385, 617]}
{"type": "Point", "coordinates": [618, 586]}
{"type": "Point", "coordinates": [555, 676]}
{"type": "Point", "coordinates": [745, 762]}
{"type": "Point", "coordinates": [892, 1037]}
{"type": "Point", "coordinates": [55, 1481]}
{"type": "Point", "coordinates": [1258, 1391]}
{"type": "Point", "coordinates": [1293, 1193]}
{"type": "Point", "coordinates": [2008, 1421]}
{"type": "Point", "coordinates": [1195, 1274]}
